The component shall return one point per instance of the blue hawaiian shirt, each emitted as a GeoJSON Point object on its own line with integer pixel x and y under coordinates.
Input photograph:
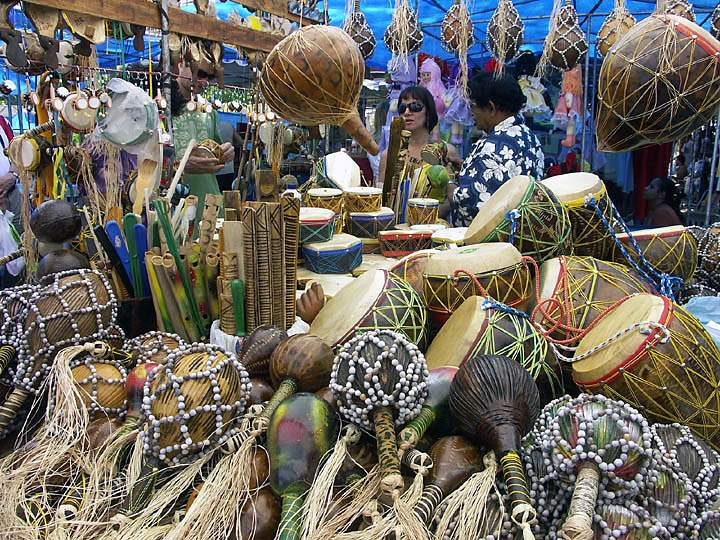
{"type": "Point", "coordinates": [510, 150]}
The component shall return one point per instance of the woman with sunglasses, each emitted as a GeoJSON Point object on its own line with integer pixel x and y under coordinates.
{"type": "Point", "coordinates": [417, 106]}
{"type": "Point", "coordinates": [507, 149]}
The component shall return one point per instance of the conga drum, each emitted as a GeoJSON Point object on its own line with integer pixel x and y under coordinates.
{"type": "Point", "coordinates": [498, 267]}
{"type": "Point", "coordinates": [480, 326]}
{"type": "Point", "coordinates": [449, 238]}
{"type": "Point", "coordinates": [574, 291]}
{"type": "Point", "coordinates": [340, 255]}
{"type": "Point", "coordinates": [377, 300]}
{"type": "Point", "coordinates": [329, 198]}
{"type": "Point", "coordinates": [658, 357]}
{"type": "Point", "coordinates": [363, 199]}
{"type": "Point", "coordinates": [670, 250]}
{"type": "Point", "coordinates": [660, 82]}
{"type": "Point", "coordinates": [524, 213]}
{"type": "Point", "coordinates": [370, 224]}
{"type": "Point", "coordinates": [316, 224]}
{"type": "Point", "coordinates": [412, 267]}
{"type": "Point", "coordinates": [584, 195]}
{"type": "Point", "coordinates": [422, 210]}
{"type": "Point", "coordinates": [399, 243]}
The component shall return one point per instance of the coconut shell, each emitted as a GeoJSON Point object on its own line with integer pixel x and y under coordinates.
{"type": "Point", "coordinates": [359, 30]}
{"type": "Point", "coordinates": [715, 23]}
{"type": "Point", "coordinates": [310, 303]}
{"type": "Point", "coordinates": [454, 459]}
{"type": "Point", "coordinates": [613, 28]}
{"type": "Point", "coordinates": [61, 260]}
{"type": "Point", "coordinates": [304, 358]}
{"type": "Point", "coordinates": [569, 43]}
{"type": "Point", "coordinates": [457, 22]}
{"type": "Point", "coordinates": [55, 221]}
{"type": "Point", "coordinates": [314, 76]}
{"type": "Point", "coordinates": [260, 392]}
{"type": "Point", "coordinates": [258, 347]}
{"type": "Point", "coordinates": [681, 8]}
{"type": "Point", "coordinates": [260, 517]}
{"type": "Point", "coordinates": [505, 32]}
{"type": "Point", "coordinates": [110, 395]}
{"type": "Point", "coordinates": [415, 37]}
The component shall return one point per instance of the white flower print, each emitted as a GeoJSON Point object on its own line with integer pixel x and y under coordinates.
{"type": "Point", "coordinates": [488, 148]}
{"type": "Point", "coordinates": [472, 173]}
{"type": "Point", "coordinates": [493, 169]}
{"type": "Point", "coordinates": [482, 191]}
{"type": "Point", "coordinates": [507, 153]}
{"type": "Point", "coordinates": [514, 131]}
{"type": "Point", "coordinates": [513, 169]}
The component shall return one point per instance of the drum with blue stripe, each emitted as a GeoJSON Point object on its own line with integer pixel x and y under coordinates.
{"type": "Point", "coordinates": [341, 255]}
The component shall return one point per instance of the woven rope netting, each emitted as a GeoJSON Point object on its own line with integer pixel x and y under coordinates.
{"type": "Point", "coordinates": [458, 37]}
{"type": "Point", "coordinates": [566, 42]}
{"type": "Point", "coordinates": [404, 35]}
{"type": "Point", "coordinates": [357, 27]}
{"type": "Point", "coordinates": [505, 33]}
{"type": "Point", "coordinates": [659, 83]}
{"type": "Point", "coordinates": [616, 25]}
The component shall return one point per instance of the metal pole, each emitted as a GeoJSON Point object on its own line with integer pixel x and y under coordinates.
{"type": "Point", "coordinates": [713, 171]}
{"type": "Point", "coordinates": [594, 95]}
{"type": "Point", "coordinates": [165, 56]}
{"type": "Point", "coordinates": [19, 102]}
{"type": "Point", "coordinates": [583, 112]}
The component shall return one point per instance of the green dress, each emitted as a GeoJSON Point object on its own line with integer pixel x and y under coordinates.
{"type": "Point", "coordinates": [199, 126]}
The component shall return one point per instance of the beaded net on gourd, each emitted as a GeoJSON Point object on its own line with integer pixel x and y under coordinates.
{"type": "Point", "coordinates": [458, 36]}
{"type": "Point", "coordinates": [707, 272]}
{"type": "Point", "coordinates": [627, 520]}
{"type": "Point", "coordinates": [505, 33]}
{"type": "Point", "coordinates": [102, 384]}
{"type": "Point", "coordinates": [661, 82]}
{"type": "Point", "coordinates": [616, 25]}
{"type": "Point", "coordinates": [715, 22]}
{"type": "Point", "coordinates": [76, 307]}
{"type": "Point", "coordinates": [357, 27]}
{"type": "Point", "coordinates": [194, 403]}
{"type": "Point", "coordinates": [566, 42]}
{"type": "Point", "coordinates": [669, 497]}
{"type": "Point", "coordinates": [681, 8]}
{"type": "Point", "coordinates": [378, 369]}
{"type": "Point", "coordinates": [404, 35]}
{"type": "Point", "coordinates": [153, 346]}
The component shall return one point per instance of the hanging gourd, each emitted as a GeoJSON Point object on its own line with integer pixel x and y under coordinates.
{"type": "Point", "coordinates": [505, 33]}
{"type": "Point", "coordinates": [614, 27]}
{"type": "Point", "coordinates": [457, 29]}
{"type": "Point", "coordinates": [681, 8]}
{"type": "Point", "coordinates": [715, 23]}
{"type": "Point", "coordinates": [404, 35]}
{"type": "Point", "coordinates": [566, 43]}
{"type": "Point", "coordinates": [357, 27]}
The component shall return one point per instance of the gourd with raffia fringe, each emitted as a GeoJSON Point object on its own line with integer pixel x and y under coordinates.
{"type": "Point", "coordinates": [505, 32]}
{"type": "Point", "coordinates": [614, 27]}
{"type": "Point", "coordinates": [566, 44]}
{"type": "Point", "coordinates": [357, 27]}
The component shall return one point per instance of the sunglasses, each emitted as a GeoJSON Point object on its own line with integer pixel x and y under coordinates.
{"type": "Point", "coordinates": [204, 74]}
{"type": "Point", "coordinates": [415, 106]}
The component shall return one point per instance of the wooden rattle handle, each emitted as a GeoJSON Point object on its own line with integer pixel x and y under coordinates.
{"type": "Point", "coordinates": [392, 480]}
{"type": "Point", "coordinates": [416, 428]}
{"type": "Point", "coordinates": [578, 525]}
{"type": "Point", "coordinates": [9, 409]}
{"type": "Point", "coordinates": [7, 354]}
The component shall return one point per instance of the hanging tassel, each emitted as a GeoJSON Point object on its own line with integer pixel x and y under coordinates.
{"type": "Point", "coordinates": [469, 504]}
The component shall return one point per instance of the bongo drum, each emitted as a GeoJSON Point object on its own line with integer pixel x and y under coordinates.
{"type": "Point", "coordinates": [33, 153]}
{"type": "Point", "coordinates": [524, 213]}
{"type": "Point", "coordinates": [581, 194]}
{"type": "Point", "coordinates": [401, 243]}
{"type": "Point", "coordinates": [481, 326]}
{"type": "Point", "coordinates": [329, 198]}
{"type": "Point", "coordinates": [574, 291]}
{"type": "Point", "coordinates": [377, 300]}
{"type": "Point", "coordinates": [210, 149]}
{"type": "Point", "coordinates": [340, 255]}
{"type": "Point", "coordinates": [499, 268]}
{"type": "Point", "coordinates": [76, 114]}
{"type": "Point", "coordinates": [450, 237]}
{"type": "Point", "coordinates": [370, 224]}
{"type": "Point", "coordinates": [429, 227]}
{"type": "Point", "coordinates": [658, 357]}
{"type": "Point", "coordinates": [362, 199]}
{"type": "Point", "coordinates": [421, 211]}
{"type": "Point", "coordinates": [412, 267]}
{"type": "Point", "coordinates": [371, 246]}
{"type": "Point", "coordinates": [671, 250]}
{"type": "Point", "coordinates": [316, 224]}
{"type": "Point", "coordinates": [660, 82]}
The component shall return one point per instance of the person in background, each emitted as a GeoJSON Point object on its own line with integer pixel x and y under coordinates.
{"type": "Point", "coordinates": [417, 106]}
{"type": "Point", "coordinates": [226, 175]}
{"type": "Point", "coordinates": [200, 171]}
{"type": "Point", "coordinates": [507, 150]}
{"type": "Point", "coordinates": [680, 170]}
{"type": "Point", "coordinates": [663, 203]}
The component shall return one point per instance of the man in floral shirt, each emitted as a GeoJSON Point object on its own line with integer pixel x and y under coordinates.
{"type": "Point", "coordinates": [509, 149]}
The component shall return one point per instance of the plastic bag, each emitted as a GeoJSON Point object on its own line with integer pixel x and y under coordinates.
{"type": "Point", "coordinates": [707, 310]}
{"type": "Point", "coordinates": [9, 243]}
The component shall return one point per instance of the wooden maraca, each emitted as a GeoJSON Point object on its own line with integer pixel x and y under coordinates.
{"type": "Point", "coordinates": [257, 348]}
{"type": "Point", "coordinates": [300, 363]}
{"type": "Point", "coordinates": [627, 521]}
{"type": "Point", "coordinates": [152, 347]}
{"type": "Point", "coordinates": [302, 429]}
{"type": "Point", "coordinates": [669, 497]}
{"type": "Point", "coordinates": [495, 402]}
{"type": "Point", "coordinates": [379, 379]}
{"type": "Point", "coordinates": [435, 407]}
{"type": "Point", "coordinates": [596, 441]}
{"type": "Point", "coordinates": [455, 459]}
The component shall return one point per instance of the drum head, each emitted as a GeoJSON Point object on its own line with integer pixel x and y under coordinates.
{"type": "Point", "coordinates": [573, 186]}
{"type": "Point", "coordinates": [428, 227]}
{"type": "Point", "coordinates": [452, 235]}
{"type": "Point", "coordinates": [635, 309]}
{"type": "Point", "coordinates": [310, 214]}
{"type": "Point", "coordinates": [348, 307]}
{"type": "Point", "coordinates": [364, 191]}
{"type": "Point", "coordinates": [339, 241]}
{"type": "Point", "coordinates": [419, 201]}
{"type": "Point", "coordinates": [342, 171]}
{"type": "Point", "coordinates": [549, 277]}
{"type": "Point", "coordinates": [324, 192]}
{"type": "Point", "coordinates": [29, 154]}
{"type": "Point", "coordinates": [507, 198]}
{"type": "Point", "coordinates": [411, 268]}
{"type": "Point", "coordinates": [458, 336]}
{"type": "Point", "coordinates": [644, 234]}
{"type": "Point", "coordinates": [78, 120]}
{"type": "Point", "coordinates": [476, 259]}
{"type": "Point", "coordinates": [383, 212]}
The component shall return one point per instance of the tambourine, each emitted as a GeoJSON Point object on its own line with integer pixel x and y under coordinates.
{"type": "Point", "coordinates": [210, 149]}
{"type": "Point", "coordinates": [33, 153]}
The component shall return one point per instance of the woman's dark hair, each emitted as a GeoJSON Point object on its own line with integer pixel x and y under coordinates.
{"type": "Point", "coordinates": [502, 90]}
{"type": "Point", "coordinates": [672, 197]}
{"type": "Point", "coordinates": [424, 96]}
{"type": "Point", "coordinates": [681, 158]}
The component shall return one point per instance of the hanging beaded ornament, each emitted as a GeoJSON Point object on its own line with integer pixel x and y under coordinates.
{"type": "Point", "coordinates": [76, 307]}
{"type": "Point", "coordinates": [594, 444]}
{"type": "Point", "coordinates": [505, 32]}
{"type": "Point", "coordinates": [566, 42]}
{"type": "Point", "coordinates": [357, 27]}
{"type": "Point", "coordinates": [616, 25]}
{"type": "Point", "coordinates": [457, 28]}
{"type": "Point", "coordinates": [681, 8]}
{"type": "Point", "coordinates": [379, 380]}
{"type": "Point", "coordinates": [715, 22]}
{"type": "Point", "coordinates": [707, 271]}
{"type": "Point", "coordinates": [13, 305]}
{"type": "Point", "coordinates": [404, 35]}
{"type": "Point", "coordinates": [194, 403]}
{"type": "Point", "coordinates": [152, 347]}
{"type": "Point", "coordinates": [102, 382]}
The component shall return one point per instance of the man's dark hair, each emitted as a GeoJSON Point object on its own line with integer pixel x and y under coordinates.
{"type": "Point", "coordinates": [424, 96]}
{"type": "Point", "coordinates": [502, 90]}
